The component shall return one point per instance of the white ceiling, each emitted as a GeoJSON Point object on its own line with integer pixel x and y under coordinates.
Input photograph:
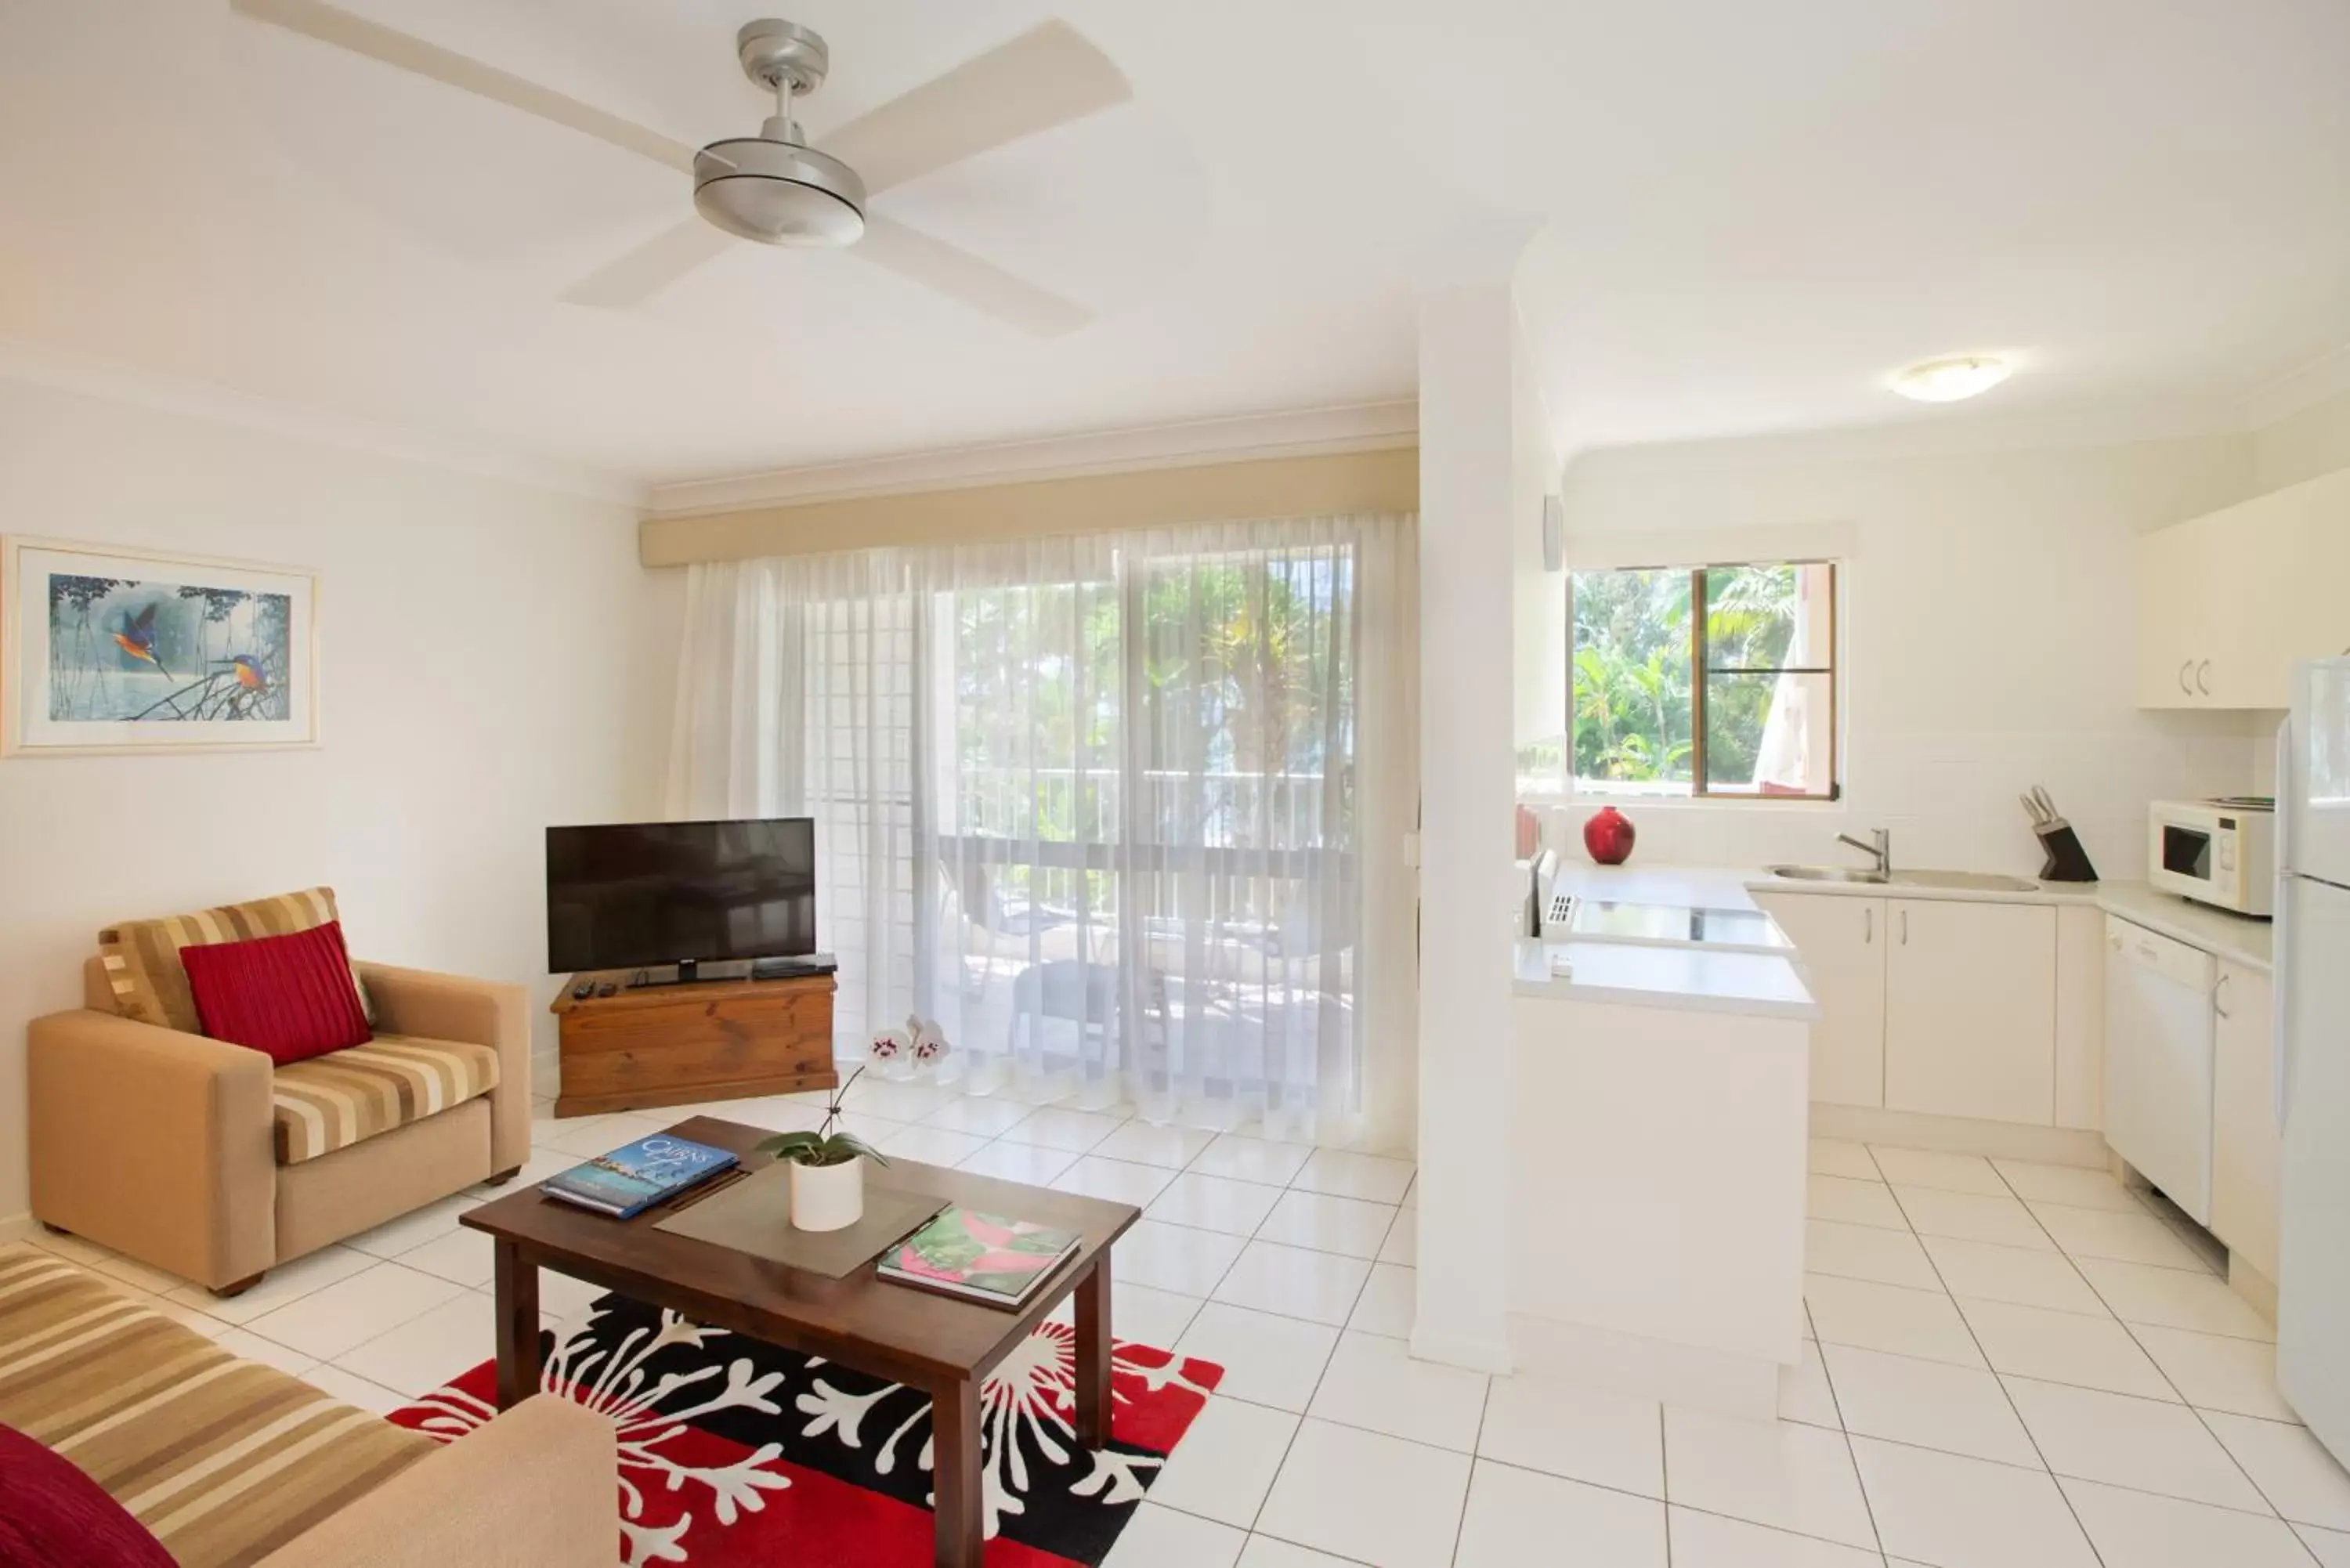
{"type": "Point", "coordinates": [1755, 213]}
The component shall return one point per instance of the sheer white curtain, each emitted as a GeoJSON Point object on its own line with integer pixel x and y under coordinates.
{"type": "Point", "coordinates": [1125, 814]}
{"type": "Point", "coordinates": [795, 698]}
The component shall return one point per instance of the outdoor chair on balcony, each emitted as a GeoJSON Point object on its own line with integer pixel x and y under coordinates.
{"type": "Point", "coordinates": [993, 920]}
{"type": "Point", "coordinates": [1085, 994]}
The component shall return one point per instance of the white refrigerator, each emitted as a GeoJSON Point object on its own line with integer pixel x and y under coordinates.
{"type": "Point", "coordinates": [2313, 1050]}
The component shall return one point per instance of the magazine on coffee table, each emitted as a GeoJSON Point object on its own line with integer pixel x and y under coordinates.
{"type": "Point", "coordinates": [631, 1180]}
{"type": "Point", "coordinates": [979, 1257]}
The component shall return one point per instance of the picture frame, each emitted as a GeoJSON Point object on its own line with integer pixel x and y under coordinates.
{"type": "Point", "coordinates": [110, 649]}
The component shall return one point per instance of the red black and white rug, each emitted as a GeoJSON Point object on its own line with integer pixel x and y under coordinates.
{"type": "Point", "coordinates": [735, 1454]}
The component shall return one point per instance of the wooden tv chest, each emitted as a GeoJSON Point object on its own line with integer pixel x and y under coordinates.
{"type": "Point", "coordinates": [681, 1045]}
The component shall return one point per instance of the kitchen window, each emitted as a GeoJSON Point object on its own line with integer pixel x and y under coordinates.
{"type": "Point", "coordinates": [1699, 682]}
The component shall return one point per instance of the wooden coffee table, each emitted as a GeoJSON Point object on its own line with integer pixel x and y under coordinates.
{"type": "Point", "coordinates": [935, 1343]}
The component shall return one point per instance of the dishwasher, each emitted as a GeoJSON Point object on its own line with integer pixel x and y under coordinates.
{"type": "Point", "coordinates": [2159, 1040]}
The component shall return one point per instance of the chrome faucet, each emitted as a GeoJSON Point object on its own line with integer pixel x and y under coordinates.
{"type": "Point", "coordinates": [1880, 846]}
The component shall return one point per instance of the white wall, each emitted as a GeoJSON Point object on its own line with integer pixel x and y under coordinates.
{"type": "Point", "coordinates": [1991, 607]}
{"type": "Point", "coordinates": [1474, 477]}
{"type": "Point", "coordinates": [487, 668]}
{"type": "Point", "coordinates": [2302, 445]}
{"type": "Point", "coordinates": [1538, 604]}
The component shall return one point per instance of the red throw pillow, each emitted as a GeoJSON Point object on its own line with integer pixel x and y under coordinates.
{"type": "Point", "coordinates": [51, 1514]}
{"type": "Point", "coordinates": [291, 996]}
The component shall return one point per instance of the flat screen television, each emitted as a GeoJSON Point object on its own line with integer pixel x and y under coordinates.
{"type": "Point", "coordinates": [642, 894]}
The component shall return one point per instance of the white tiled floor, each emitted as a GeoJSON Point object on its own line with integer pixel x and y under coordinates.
{"type": "Point", "coordinates": [2015, 1366]}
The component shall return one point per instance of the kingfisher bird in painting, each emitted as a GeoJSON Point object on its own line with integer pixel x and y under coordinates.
{"type": "Point", "coordinates": [137, 637]}
{"type": "Point", "coordinates": [249, 674]}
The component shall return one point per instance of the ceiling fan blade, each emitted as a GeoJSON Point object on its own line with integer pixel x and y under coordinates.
{"type": "Point", "coordinates": [1047, 77]}
{"type": "Point", "coordinates": [652, 267]}
{"type": "Point", "coordinates": [962, 276]}
{"type": "Point", "coordinates": [331, 24]}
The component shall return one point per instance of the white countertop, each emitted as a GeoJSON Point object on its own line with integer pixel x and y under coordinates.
{"type": "Point", "coordinates": [2236, 938]}
{"type": "Point", "coordinates": [1692, 886]}
{"type": "Point", "coordinates": [1734, 929]}
{"type": "Point", "coordinates": [2038, 893]}
{"type": "Point", "coordinates": [1691, 978]}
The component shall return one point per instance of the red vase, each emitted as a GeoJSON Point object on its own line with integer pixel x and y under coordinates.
{"type": "Point", "coordinates": [1608, 837]}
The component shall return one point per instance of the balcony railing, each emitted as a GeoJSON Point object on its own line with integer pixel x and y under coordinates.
{"type": "Point", "coordinates": [1056, 835]}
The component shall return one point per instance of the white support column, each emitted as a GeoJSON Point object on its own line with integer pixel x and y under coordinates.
{"type": "Point", "coordinates": [1483, 466]}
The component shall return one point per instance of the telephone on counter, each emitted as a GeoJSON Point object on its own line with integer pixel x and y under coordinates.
{"type": "Point", "coordinates": [1550, 909]}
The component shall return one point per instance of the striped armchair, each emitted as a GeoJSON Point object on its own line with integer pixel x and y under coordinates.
{"type": "Point", "coordinates": [206, 1160]}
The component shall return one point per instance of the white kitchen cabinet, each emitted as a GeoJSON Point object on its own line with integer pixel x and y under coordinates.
{"type": "Point", "coordinates": [1841, 941]}
{"type": "Point", "coordinates": [1942, 1006]}
{"type": "Point", "coordinates": [2174, 614]}
{"type": "Point", "coordinates": [2080, 1016]}
{"type": "Point", "coordinates": [1970, 1010]}
{"type": "Point", "coordinates": [2244, 1150]}
{"type": "Point", "coordinates": [2229, 602]}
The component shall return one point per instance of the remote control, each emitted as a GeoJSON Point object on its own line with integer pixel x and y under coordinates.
{"type": "Point", "coordinates": [586, 988]}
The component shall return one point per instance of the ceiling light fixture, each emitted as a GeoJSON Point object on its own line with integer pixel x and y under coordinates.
{"type": "Point", "coordinates": [1948, 380]}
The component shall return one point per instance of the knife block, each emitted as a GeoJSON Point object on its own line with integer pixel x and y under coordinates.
{"type": "Point", "coordinates": [2068, 861]}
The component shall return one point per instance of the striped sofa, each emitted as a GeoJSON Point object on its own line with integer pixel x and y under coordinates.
{"type": "Point", "coordinates": [230, 1463]}
{"type": "Point", "coordinates": [204, 1160]}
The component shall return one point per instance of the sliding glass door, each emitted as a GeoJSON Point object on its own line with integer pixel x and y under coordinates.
{"type": "Point", "coordinates": [1091, 804]}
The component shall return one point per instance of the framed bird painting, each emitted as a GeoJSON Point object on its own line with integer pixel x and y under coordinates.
{"type": "Point", "coordinates": [106, 649]}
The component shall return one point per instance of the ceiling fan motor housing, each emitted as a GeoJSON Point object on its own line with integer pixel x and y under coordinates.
{"type": "Point", "coordinates": [778, 193]}
{"type": "Point", "coordinates": [773, 187]}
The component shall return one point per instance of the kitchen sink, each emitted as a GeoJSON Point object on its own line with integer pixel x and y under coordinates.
{"type": "Point", "coordinates": [1825, 874]}
{"type": "Point", "coordinates": [1971, 881]}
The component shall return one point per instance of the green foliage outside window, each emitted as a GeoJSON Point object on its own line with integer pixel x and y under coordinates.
{"type": "Point", "coordinates": [1642, 715]}
{"type": "Point", "coordinates": [1632, 701]}
{"type": "Point", "coordinates": [1225, 700]}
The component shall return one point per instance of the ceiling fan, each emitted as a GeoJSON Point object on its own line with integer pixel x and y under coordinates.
{"type": "Point", "coordinates": [774, 187]}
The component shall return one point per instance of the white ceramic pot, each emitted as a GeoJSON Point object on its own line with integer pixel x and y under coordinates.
{"type": "Point", "coordinates": [828, 1196]}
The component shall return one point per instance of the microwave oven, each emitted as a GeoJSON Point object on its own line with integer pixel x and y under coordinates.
{"type": "Point", "coordinates": [2217, 852]}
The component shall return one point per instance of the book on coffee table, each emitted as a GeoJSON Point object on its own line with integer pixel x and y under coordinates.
{"type": "Point", "coordinates": [629, 1181]}
{"type": "Point", "coordinates": [979, 1257]}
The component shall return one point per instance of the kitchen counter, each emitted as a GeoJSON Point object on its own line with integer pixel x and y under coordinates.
{"type": "Point", "coordinates": [1731, 887]}
{"type": "Point", "coordinates": [1691, 886]}
{"type": "Point", "coordinates": [1686, 979]}
{"type": "Point", "coordinates": [2239, 939]}
{"type": "Point", "coordinates": [1657, 1124]}
{"type": "Point", "coordinates": [1690, 979]}
{"type": "Point", "coordinates": [2038, 893]}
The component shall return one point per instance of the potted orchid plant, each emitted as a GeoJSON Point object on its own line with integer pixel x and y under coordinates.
{"type": "Point", "coordinates": [828, 1169]}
